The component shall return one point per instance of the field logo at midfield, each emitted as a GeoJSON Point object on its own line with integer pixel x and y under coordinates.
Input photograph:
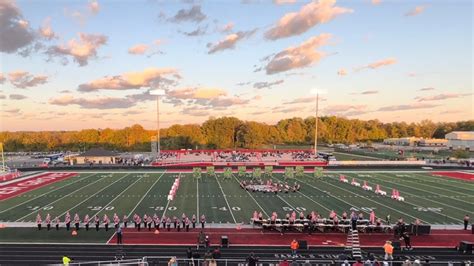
{"type": "Point", "coordinates": [16, 188]}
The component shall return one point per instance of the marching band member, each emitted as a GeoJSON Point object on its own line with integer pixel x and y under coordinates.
{"type": "Point", "coordinates": [48, 221]}
{"type": "Point", "coordinates": [76, 221]}
{"type": "Point", "coordinates": [56, 222]}
{"type": "Point", "coordinates": [39, 221]}
{"type": "Point", "coordinates": [125, 220]}
{"type": "Point", "coordinates": [194, 221]}
{"type": "Point", "coordinates": [86, 222]}
{"type": "Point", "coordinates": [67, 221]}
{"type": "Point", "coordinates": [203, 221]}
{"type": "Point", "coordinates": [97, 222]}
{"type": "Point", "coordinates": [106, 222]}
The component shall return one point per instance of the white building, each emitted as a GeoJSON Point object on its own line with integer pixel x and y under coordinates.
{"type": "Point", "coordinates": [433, 143]}
{"type": "Point", "coordinates": [411, 141]}
{"type": "Point", "coordinates": [463, 140]}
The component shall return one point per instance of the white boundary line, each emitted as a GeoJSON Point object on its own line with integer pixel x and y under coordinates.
{"type": "Point", "coordinates": [108, 241]}
{"type": "Point", "coordinates": [144, 195]}
{"type": "Point", "coordinates": [116, 197]}
{"type": "Point", "coordinates": [225, 198]}
{"type": "Point", "coordinates": [415, 196]}
{"type": "Point", "coordinates": [46, 193]}
{"type": "Point", "coordinates": [93, 195]}
{"type": "Point", "coordinates": [378, 203]}
{"type": "Point", "coordinates": [49, 203]}
{"type": "Point", "coordinates": [235, 178]}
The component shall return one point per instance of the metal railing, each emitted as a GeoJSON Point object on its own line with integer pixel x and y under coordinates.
{"type": "Point", "coordinates": [138, 262]}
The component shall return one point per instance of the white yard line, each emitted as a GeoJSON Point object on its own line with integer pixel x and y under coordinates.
{"type": "Point", "coordinates": [144, 195]}
{"type": "Point", "coordinates": [415, 196]}
{"type": "Point", "coordinates": [225, 198]}
{"type": "Point", "coordinates": [45, 193]}
{"type": "Point", "coordinates": [197, 197]}
{"type": "Point", "coordinates": [264, 212]}
{"type": "Point", "coordinates": [91, 196]}
{"type": "Point", "coordinates": [287, 203]}
{"type": "Point", "coordinates": [443, 215]}
{"type": "Point", "coordinates": [116, 197]}
{"type": "Point", "coordinates": [61, 198]}
{"type": "Point", "coordinates": [108, 241]}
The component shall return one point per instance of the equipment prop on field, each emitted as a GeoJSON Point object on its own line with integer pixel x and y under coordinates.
{"type": "Point", "coordinates": [241, 171]}
{"type": "Point", "coordinates": [366, 187]}
{"type": "Point", "coordinates": [355, 183]}
{"type": "Point", "coordinates": [257, 173]}
{"type": "Point", "coordinates": [269, 171]}
{"type": "Point", "coordinates": [227, 173]}
{"type": "Point", "coordinates": [299, 171]}
{"type": "Point", "coordinates": [197, 172]}
{"type": "Point", "coordinates": [210, 170]}
{"type": "Point", "coordinates": [318, 172]}
{"type": "Point", "coordinates": [289, 173]}
{"type": "Point", "coordinates": [378, 191]}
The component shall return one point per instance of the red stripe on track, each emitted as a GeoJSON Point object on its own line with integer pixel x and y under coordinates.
{"type": "Point", "coordinates": [457, 175]}
{"type": "Point", "coordinates": [20, 187]}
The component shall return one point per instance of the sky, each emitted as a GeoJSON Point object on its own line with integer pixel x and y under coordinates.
{"type": "Point", "coordinates": [70, 65]}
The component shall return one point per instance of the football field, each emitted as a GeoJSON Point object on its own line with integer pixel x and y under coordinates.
{"type": "Point", "coordinates": [431, 198]}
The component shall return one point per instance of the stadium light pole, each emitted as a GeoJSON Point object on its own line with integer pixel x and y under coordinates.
{"type": "Point", "coordinates": [158, 93]}
{"type": "Point", "coordinates": [317, 92]}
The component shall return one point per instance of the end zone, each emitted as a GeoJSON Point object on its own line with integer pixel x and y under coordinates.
{"type": "Point", "coordinates": [22, 186]}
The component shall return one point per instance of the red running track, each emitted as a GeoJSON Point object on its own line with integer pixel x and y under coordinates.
{"type": "Point", "coordinates": [457, 175]}
{"type": "Point", "coordinates": [20, 187]}
{"type": "Point", "coordinates": [255, 237]}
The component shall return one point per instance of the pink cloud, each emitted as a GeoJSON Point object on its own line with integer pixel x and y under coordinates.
{"type": "Point", "coordinates": [404, 107]}
{"type": "Point", "coordinates": [300, 56]}
{"type": "Point", "coordinates": [93, 103]}
{"type": "Point", "coordinates": [94, 7]}
{"type": "Point", "coordinates": [132, 80]}
{"type": "Point", "coordinates": [14, 29]}
{"type": "Point", "coordinates": [229, 41]}
{"type": "Point", "coordinates": [82, 49]}
{"type": "Point", "coordinates": [443, 96]}
{"type": "Point", "coordinates": [227, 27]}
{"type": "Point", "coordinates": [284, 2]}
{"type": "Point", "coordinates": [310, 15]}
{"type": "Point", "coordinates": [342, 72]}
{"type": "Point", "coordinates": [46, 31]}
{"type": "Point", "coordinates": [22, 79]}
{"type": "Point", "coordinates": [138, 49]}
{"type": "Point", "coordinates": [376, 2]}
{"type": "Point", "coordinates": [378, 64]}
{"type": "Point", "coordinates": [196, 93]}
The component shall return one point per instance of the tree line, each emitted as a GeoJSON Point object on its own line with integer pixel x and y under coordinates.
{"type": "Point", "coordinates": [229, 132]}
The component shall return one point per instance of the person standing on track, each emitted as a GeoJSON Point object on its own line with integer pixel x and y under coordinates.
{"type": "Point", "coordinates": [56, 221]}
{"type": "Point", "coordinates": [119, 235]}
{"type": "Point", "coordinates": [67, 221]}
{"type": "Point", "coordinates": [194, 221]}
{"type": "Point", "coordinates": [77, 220]}
{"type": "Point", "coordinates": [466, 221]}
{"type": "Point", "coordinates": [388, 249]}
{"type": "Point", "coordinates": [294, 247]}
{"type": "Point", "coordinates": [125, 220]}
{"type": "Point", "coordinates": [106, 222]}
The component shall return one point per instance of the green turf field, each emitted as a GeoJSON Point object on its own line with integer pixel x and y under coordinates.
{"type": "Point", "coordinates": [433, 199]}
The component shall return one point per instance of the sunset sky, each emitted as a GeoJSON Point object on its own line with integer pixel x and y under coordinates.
{"type": "Point", "coordinates": [68, 65]}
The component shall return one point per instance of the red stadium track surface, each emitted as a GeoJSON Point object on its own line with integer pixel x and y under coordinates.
{"type": "Point", "coordinates": [457, 175]}
{"type": "Point", "coordinates": [17, 188]}
{"type": "Point", "coordinates": [9, 176]}
{"type": "Point", "coordinates": [255, 237]}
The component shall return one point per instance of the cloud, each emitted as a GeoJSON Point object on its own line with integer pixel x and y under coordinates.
{"type": "Point", "coordinates": [243, 83]}
{"type": "Point", "coordinates": [406, 107]}
{"type": "Point", "coordinates": [443, 96]}
{"type": "Point", "coordinates": [2, 96]}
{"type": "Point", "coordinates": [229, 41]}
{"type": "Point", "coordinates": [14, 30]}
{"type": "Point", "coordinates": [376, 2]}
{"type": "Point", "coordinates": [282, 109]}
{"type": "Point", "coordinates": [93, 103]}
{"type": "Point", "coordinates": [82, 49]}
{"type": "Point", "coordinates": [193, 14]}
{"type": "Point", "coordinates": [299, 56]}
{"type": "Point", "coordinates": [138, 49]}
{"type": "Point", "coordinates": [65, 91]}
{"type": "Point", "coordinates": [283, 2]}
{"type": "Point", "coordinates": [193, 111]}
{"type": "Point", "coordinates": [94, 7]}
{"type": "Point", "coordinates": [342, 72]}
{"type": "Point", "coordinates": [2, 78]}
{"type": "Point", "coordinates": [199, 31]}
{"type": "Point", "coordinates": [12, 111]}
{"type": "Point", "coordinates": [418, 10]}
{"type": "Point", "coordinates": [196, 93]}
{"type": "Point", "coordinates": [227, 27]}
{"type": "Point", "coordinates": [132, 80]}
{"type": "Point", "coordinates": [344, 108]}
{"type": "Point", "coordinates": [262, 85]}
{"type": "Point", "coordinates": [22, 79]}
{"type": "Point", "coordinates": [302, 100]}
{"type": "Point", "coordinates": [369, 92]}
{"type": "Point", "coordinates": [227, 102]}
{"type": "Point", "coordinates": [377, 64]}
{"type": "Point", "coordinates": [310, 15]}
{"type": "Point", "coordinates": [427, 89]}
{"type": "Point", "coordinates": [17, 97]}
{"type": "Point", "coordinates": [46, 31]}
